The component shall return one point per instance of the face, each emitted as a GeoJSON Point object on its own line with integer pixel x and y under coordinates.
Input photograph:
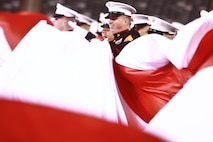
{"type": "Point", "coordinates": [143, 31]}
{"type": "Point", "coordinates": [119, 24]}
{"type": "Point", "coordinates": [84, 26]}
{"type": "Point", "coordinates": [61, 23]}
{"type": "Point", "coordinates": [58, 23]}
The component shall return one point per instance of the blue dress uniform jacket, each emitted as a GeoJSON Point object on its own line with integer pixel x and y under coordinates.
{"type": "Point", "coordinates": [122, 39]}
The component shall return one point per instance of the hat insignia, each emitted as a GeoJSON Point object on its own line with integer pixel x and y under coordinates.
{"type": "Point", "coordinates": [108, 4]}
{"type": "Point", "coordinates": [152, 19]}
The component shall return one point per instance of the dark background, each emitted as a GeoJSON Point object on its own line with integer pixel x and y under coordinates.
{"type": "Point", "coordinates": [182, 11]}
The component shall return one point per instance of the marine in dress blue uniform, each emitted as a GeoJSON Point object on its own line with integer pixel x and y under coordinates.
{"type": "Point", "coordinates": [125, 35]}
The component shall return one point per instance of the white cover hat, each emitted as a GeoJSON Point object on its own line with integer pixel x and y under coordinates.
{"type": "Point", "coordinates": [140, 19]}
{"type": "Point", "coordinates": [120, 7]}
{"type": "Point", "coordinates": [162, 25]}
{"type": "Point", "coordinates": [89, 21]}
{"type": "Point", "coordinates": [84, 19]}
{"type": "Point", "coordinates": [178, 25]}
{"type": "Point", "coordinates": [62, 10]}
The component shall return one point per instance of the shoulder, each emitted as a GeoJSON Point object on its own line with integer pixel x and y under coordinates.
{"type": "Point", "coordinates": [131, 35]}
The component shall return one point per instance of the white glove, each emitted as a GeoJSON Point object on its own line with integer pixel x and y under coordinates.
{"type": "Point", "coordinates": [78, 29]}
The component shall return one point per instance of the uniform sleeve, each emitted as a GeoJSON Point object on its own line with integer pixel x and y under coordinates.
{"type": "Point", "coordinates": [90, 36]}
